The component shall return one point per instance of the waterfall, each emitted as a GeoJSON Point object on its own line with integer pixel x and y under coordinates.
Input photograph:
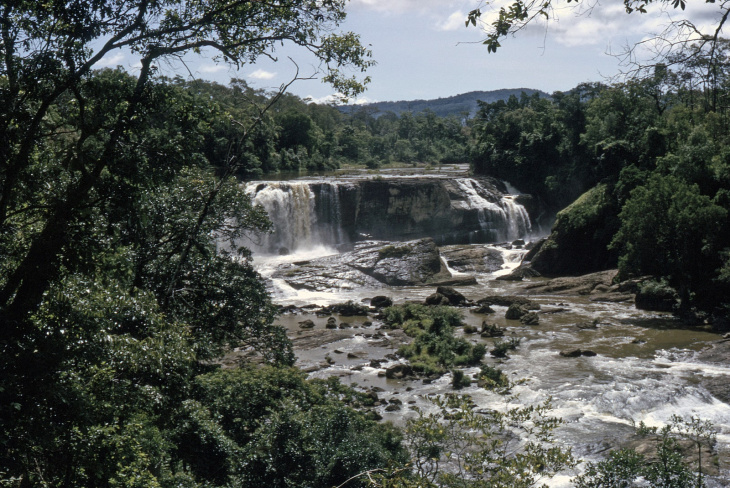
{"type": "Point", "coordinates": [518, 220]}
{"type": "Point", "coordinates": [499, 220]}
{"type": "Point", "coordinates": [327, 213]}
{"type": "Point", "coordinates": [304, 215]}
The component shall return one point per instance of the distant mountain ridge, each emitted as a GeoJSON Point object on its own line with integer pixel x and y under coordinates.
{"type": "Point", "coordinates": [455, 105]}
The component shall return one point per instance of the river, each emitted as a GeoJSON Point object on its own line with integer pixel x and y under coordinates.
{"type": "Point", "coordinates": [646, 366]}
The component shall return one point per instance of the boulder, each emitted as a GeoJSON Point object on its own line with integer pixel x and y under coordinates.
{"type": "Point", "coordinates": [381, 301]}
{"type": "Point", "coordinates": [521, 272]}
{"type": "Point", "coordinates": [571, 353]}
{"type": "Point", "coordinates": [484, 309]}
{"type": "Point", "coordinates": [574, 353]}
{"type": "Point", "coordinates": [580, 237]}
{"type": "Point", "coordinates": [575, 285]}
{"type": "Point", "coordinates": [286, 309]}
{"type": "Point", "coordinates": [399, 371]}
{"type": "Point", "coordinates": [331, 323]}
{"type": "Point", "coordinates": [347, 309]}
{"type": "Point", "coordinates": [509, 277]}
{"type": "Point", "coordinates": [491, 330]}
{"type": "Point", "coordinates": [473, 259]}
{"type": "Point", "coordinates": [515, 312]}
{"type": "Point", "coordinates": [306, 324]}
{"type": "Point", "coordinates": [455, 298]}
{"type": "Point", "coordinates": [530, 318]}
{"type": "Point", "coordinates": [436, 299]}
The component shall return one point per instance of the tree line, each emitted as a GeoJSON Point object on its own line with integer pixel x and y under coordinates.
{"type": "Point", "coordinates": [294, 135]}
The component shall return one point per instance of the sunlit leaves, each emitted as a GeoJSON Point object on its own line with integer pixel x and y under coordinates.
{"type": "Point", "coordinates": [459, 445]}
{"type": "Point", "coordinates": [516, 15]}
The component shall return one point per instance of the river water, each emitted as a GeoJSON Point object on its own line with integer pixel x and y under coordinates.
{"type": "Point", "coordinates": [646, 367]}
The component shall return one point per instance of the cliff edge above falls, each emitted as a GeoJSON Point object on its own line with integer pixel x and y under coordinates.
{"type": "Point", "coordinates": [335, 213]}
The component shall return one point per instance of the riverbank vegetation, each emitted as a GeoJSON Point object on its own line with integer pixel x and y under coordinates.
{"type": "Point", "coordinates": [434, 348]}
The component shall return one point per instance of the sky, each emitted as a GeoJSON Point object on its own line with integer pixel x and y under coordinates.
{"type": "Point", "coordinates": [423, 50]}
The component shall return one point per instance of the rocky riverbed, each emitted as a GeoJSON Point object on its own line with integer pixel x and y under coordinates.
{"type": "Point", "coordinates": [605, 363]}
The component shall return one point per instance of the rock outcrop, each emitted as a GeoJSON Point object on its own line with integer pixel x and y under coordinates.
{"type": "Point", "coordinates": [473, 259]}
{"type": "Point", "coordinates": [373, 264]}
{"type": "Point", "coordinates": [600, 282]}
{"type": "Point", "coordinates": [335, 213]}
{"type": "Point", "coordinates": [520, 273]}
{"type": "Point", "coordinates": [578, 243]}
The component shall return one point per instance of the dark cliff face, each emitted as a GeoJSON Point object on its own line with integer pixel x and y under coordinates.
{"type": "Point", "coordinates": [390, 208]}
{"type": "Point", "coordinates": [401, 208]}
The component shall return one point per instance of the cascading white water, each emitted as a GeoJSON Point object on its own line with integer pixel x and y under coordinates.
{"type": "Point", "coordinates": [301, 218]}
{"type": "Point", "coordinates": [505, 220]}
{"type": "Point", "coordinates": [291, 209]}
{"type": "Point", "coordinates": [329, 214]}
{"type": "Point", "coordinates": [518, 220]}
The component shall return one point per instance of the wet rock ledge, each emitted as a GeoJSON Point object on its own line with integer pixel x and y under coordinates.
{"type": "Point", "coordinates": [374, 264]}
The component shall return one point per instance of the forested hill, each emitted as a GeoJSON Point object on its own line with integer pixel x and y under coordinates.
{"type": "Point", "coordinates": [456, 105]}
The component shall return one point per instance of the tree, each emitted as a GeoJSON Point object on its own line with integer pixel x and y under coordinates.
{"type": "Point", "coordinates": [529, 144]}
{"type": "Point", "coordinates": [669, 229]}
{"type": "Point", "coordinates": [48, 53]}
{"type": "Point", "coordinates": [122, 275]}
{"type": "Point", "coordinates": [516, 15]}
{"type": "Point", "coordinates": [681, 36]}
{"type": "Point", "coordinates": [459, 446]}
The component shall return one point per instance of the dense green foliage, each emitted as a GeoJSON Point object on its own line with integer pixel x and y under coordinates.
{"type": "Point", "coordinates": [434, 348]}
{"type": "Point", "coordinates": [297, 136]}
{"type": "Point", "coordinates": [645, 164]}
{"type": "Point", "coordinates": [122, 280]}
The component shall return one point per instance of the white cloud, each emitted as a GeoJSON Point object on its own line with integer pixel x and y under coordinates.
{"type": "Point", "coordinates": [337, 99]}
{"type": "Point", "coordinates": [212, 68]}
{"type": "Point", "coordinates": [585, 24]}
{"type": "Point", "coordinates": [403, 6]}
{"type": "Point", "coordinates": [455, 21]}
{"type": "Point", "coordinates": [261, 74]}
{"type": "Point", "coordinates": [111, 61]}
